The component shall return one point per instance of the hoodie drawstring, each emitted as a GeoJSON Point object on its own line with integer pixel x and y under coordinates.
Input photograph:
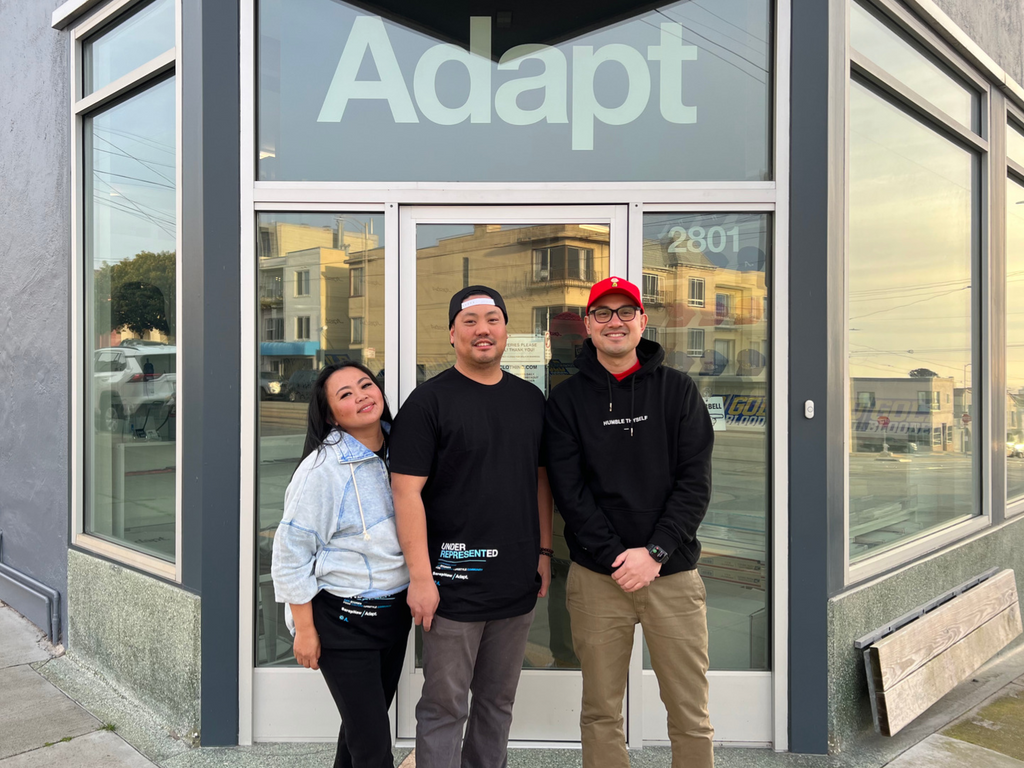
{"type": "Point", "coordinates": [359, 502]}
{"type": "Point", "coordinates": [632, 401]}
{"type": "Point", "coordinates": [632, 398]}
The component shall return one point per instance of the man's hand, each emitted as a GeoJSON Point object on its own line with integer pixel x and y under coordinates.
{"type": "Point", "coordinates": [544, 569]}
{"type": "Point", "coordinates": [423, 598]}
{"type": "Point", "coordinates": [634, 569]}
{"type": "Point", "coordinates": [307, 648]}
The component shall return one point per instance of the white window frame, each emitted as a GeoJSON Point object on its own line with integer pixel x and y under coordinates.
{"type": "Point", "coordinates": [694, 282]}
{"type": "Point", "coordinates": [81, 107]}
{"type": "Point", "coordinates": [354, 323]}
{"type": "Point", "coordinates": [1014, 118]}
{"type": "Point", "coordinates": [352, 281]}
{"type": "Point", "coordinates": [692, 334]}
{"type": "Point", "coordinates": [932, 36]}
{"type": "Point", "coordinates": [303, 328]}
{"type": "Point", "coordinates": [639, 197]}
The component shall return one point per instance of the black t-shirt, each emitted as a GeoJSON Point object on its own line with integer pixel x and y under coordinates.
{"type": "Point", "coordinates": [479, 446]}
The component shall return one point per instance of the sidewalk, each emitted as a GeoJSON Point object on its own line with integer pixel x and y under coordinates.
{"type": "Point", "coordinates": [53, 713]}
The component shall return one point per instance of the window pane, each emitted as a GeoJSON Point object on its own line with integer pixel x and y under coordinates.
{"type": "Point", "coordinates": [355, 92]}
{"type": "Point", "coordinates": [131, 321]}
{"type": "Point", "coordinates": [911, 330]}
{"type": "Point", "coordinates": [1015, 143]}
{"type": "Point", "coordinates": [130, 43]}
{"type": "Point", "coordinates": [723, 347]}
{"type": "Point", "coordinates": [328, 326]}
{"type": "Point", "coordinates": [919, 71]}
{"type": "Point", "coordinates": [1014, 339]}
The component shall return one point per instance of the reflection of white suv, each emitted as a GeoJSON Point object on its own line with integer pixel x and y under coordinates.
{"type": "Point", "coordinates": [133, 383]}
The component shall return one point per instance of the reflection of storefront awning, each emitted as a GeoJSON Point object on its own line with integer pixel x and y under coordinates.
{"type": "Point", "coordinates": [289, 348]}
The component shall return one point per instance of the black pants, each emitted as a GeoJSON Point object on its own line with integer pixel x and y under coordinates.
{"type": "Point", "coordinates": [363, 684]}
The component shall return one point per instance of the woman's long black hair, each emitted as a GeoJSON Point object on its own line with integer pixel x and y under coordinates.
{"type": "Point", "coordinates": [318, 420]}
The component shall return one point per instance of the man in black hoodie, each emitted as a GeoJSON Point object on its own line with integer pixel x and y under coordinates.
{"type": "Point", "coordinates": [629, 446]}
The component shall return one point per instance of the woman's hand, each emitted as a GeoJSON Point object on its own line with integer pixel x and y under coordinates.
{"type": "Point", "coordinates": [423, 598]}
{"type": "Point", "coordinates": [544, 569]}
{"type": "Point", "coordinates": [307, 648]}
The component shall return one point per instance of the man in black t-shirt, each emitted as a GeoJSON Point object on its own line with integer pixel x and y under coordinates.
{"type": "Point", "coordinates": [473, 510]}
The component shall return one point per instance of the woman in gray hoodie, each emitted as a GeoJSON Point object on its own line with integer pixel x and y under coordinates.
{"type": "Point", "coordinates": [337, 563]}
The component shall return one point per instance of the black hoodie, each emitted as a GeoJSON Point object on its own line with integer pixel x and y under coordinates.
{"type": "Point", "coordinates": [629, 461]}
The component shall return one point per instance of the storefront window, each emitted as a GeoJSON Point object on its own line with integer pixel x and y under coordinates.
{"type": "Point", "coordinates": [912, 253]}
{"type": "Point", "coordinates": [919, 71]}
{"type": "Point", "coordinates": [131, 321]}
{"type": "Point", "coordinates": [1014, 340]}
{"type": "Point", "coordinates": [308, 318]}
{"type": "Point", "coordinates": [113, 53]}
{"type": "Point", "coordinates": [559, 93]}
{"type": "Point", "coordinates": [724, 348]}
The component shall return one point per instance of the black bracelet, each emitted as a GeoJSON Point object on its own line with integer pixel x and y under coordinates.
{"type": "Point", "coordinates": [548, 552]}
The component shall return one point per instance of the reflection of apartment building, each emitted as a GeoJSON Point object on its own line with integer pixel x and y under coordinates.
{"type": "Point", "coordinates": [711, 320]}
{"type": "Point", "coordinates": [909, 414]}
{"type": "Point", "coordinates": [305, 285]}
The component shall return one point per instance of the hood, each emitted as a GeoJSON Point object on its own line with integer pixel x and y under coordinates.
{"type": "Point", "coordinates": [348, 449]}
{"type": "Point", "coordinates": [649, 353]}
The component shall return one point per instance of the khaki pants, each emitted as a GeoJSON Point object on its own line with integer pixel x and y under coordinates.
{"type": "Point", "coordinates": [672, 613]}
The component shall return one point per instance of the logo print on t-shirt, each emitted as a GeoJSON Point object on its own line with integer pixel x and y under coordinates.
{"type": "Point", "coordinates": [456, 563]}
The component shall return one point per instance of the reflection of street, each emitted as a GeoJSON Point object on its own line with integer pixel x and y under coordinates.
{"type": "Point", "coordinates": [133, 491]}
{"type": "Point", "coordinates": [891, 500]}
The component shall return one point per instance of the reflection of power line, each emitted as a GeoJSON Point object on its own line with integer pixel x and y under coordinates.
{"type": "Point", "coordinates": [136, 214]}
{"type": "Point", "coordinates": [164, 213]}
{"type": "Point", "coordinates": [910, 304]}
{"type": "Point", "coordinates": [695, 4]}
{"type": "Point", "coordinates": [712, 42]}
{"type": "Point", "coordinates": [139, 213]}
{"type": "Point", "coordinates": [119, 154]}
{"type": "Point", "coordinates": [168, 148]}
{"type": "Point", "coordinates": [133, 178]}
{"type": "Point", "coordinates": [745, 44]}
{"type": "Point", "coordinates": [136, 159]}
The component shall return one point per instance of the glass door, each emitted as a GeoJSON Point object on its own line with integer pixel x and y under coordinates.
{"type": "Point", "coordinates": [706, 292]}
{"type": "Point", "coordinates": [543, 261]}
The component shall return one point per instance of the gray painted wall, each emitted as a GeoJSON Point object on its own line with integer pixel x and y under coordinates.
{"type": "Point", "coordinates": [996, 25]}
{"type": "Point", "coordinates": [34, 253]}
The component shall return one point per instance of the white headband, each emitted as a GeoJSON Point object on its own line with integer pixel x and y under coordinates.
{"type": "Point", "coordinates": [475, 302]}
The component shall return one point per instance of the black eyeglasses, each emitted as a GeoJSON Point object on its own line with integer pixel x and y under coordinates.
{"type": "Point", "coordinates": [603, 314]}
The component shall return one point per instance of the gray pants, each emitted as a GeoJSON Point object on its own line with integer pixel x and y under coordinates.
{"type": "Point", "coordinates": [484, 657]}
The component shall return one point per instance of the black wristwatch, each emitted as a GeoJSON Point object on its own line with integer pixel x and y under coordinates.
{"type": "Point", "coordinates": [656, 552]}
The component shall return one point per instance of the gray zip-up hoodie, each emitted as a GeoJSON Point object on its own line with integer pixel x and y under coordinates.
{"type": "Point", "coordinates": [338, 530]}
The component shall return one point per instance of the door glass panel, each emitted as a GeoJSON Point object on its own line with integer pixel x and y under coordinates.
{"type": "Point", "coordinates": [705, 294]}
{"type": "Point", "coordinates": [544, 273]}
{"type": "Point", "coordinates": [320, 301]}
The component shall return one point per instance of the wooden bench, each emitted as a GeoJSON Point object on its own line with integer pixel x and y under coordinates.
{"type": "Point", "coordinates": [919, 658]}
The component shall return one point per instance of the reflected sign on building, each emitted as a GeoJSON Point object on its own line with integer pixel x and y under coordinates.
{"type": "Point", "coordinates": [435, 94]}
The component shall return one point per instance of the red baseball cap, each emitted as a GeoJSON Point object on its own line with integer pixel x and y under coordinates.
{"type": "Point", "coordinates": [614, 285]}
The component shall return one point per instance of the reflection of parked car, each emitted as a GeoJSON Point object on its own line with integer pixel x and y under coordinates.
{"type": "Point", "coordinates": [300, 385]}
{"type": "Point", "coordinates": [1014, 449]}
{"type": "Point", "coordinates": [133, 381]}
{"type": "Point", "coordinates": [271, 387]}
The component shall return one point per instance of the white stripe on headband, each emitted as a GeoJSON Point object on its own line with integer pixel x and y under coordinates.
{"type": "Point", "coordinates": [475, 302]}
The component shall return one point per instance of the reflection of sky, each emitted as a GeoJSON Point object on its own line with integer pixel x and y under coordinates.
{"type": "Point", "coordinates": [131, 176]}
{"type": "Point", "coordinates": [910, 245]}
{"type": "Point", "coordinates": [130, 44]}
{"type": "Point", "coordinates": [299, 52]}
{"type": "Point", "coordinates": [892, 53]}
{"type": "Point", "coordinates": [1014, 285]}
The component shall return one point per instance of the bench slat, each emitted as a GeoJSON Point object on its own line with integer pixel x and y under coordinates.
{"type": "Point", "coordinates": [904, 701]}
{"type": "Point", "coordinates": [904, 652]}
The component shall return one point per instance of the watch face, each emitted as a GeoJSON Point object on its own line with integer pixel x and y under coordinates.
{"type": "Point", "coordinates": [659, 554]}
